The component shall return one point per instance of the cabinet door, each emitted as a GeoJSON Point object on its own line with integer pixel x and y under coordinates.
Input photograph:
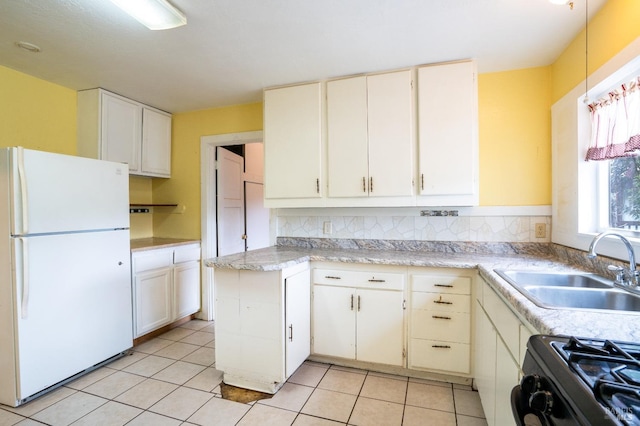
{"type": "Point", "coordinates": [347, 139]}
{"type": "Point", "coordinates": [447, 129]}
{"type": "Point", "coordinates": [292, 142]}
{"type": "Point", "coordinates": [389, 98]}
{"type": "Point", "coordinates": [153, 300]}
{"type": "Point", "coordinates": [334, 321]}
{"type": "Point", "coordinates": [186, 289]}
{"type": "Point", "coordinates": [156, 143]}
{"type": "Point", "coordinates": [485, 363]}
{"type": "Point", "coordinates": [507, 376]}
{"type": "Point", "coordinates": [379, 332]}
{"type": "Point", "coordinates": [121, 131]}
{"type": "Point", "coordinates": [297, 320]}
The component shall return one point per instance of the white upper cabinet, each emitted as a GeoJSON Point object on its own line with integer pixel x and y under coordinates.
{"type": "Point", "coordinates": [369, 134]}
{"type": "Point", "coordinates": [114, 128]}
{"type": "Point", "coordinates": [448, 134]}
{"type": "Point", "coordinates": [293, 142]}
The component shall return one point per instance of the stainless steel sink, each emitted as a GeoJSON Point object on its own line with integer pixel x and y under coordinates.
{"type": "Point", "coordinates": [554, 279]}
{"type": "Point", "coordinates": [571, 290]}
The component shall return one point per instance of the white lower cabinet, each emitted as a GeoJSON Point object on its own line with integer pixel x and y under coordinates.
{"type": "Point", "coordinates": [262, 325]}
{"type": "Point", "coordinates": [440, 320]}
{"type": "Point", "coordinates": [358, 313]}
{"type": "Point", "coordinates": [500, 345]}
{"type": "Point", "coordinates": [166, 286]}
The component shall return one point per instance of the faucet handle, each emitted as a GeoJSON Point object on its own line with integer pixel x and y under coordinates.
{"type": "Point", "coordinates": [620, 273]}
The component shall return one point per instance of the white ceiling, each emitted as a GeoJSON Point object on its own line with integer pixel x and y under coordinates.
{"type": "Point", "coordinates": [231, 49]}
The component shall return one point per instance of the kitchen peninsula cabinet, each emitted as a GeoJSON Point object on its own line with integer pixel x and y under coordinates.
{"type": "Point", "coordinates": [166, 286]}
{"type": "Point", "coordinates": [370, 138]}
{"type": "Point", "coordinates": [501, 339]}
{"type": "Point", "coordinates": [440, 321]}
{"type": "Point", "coordinates": [114, 128]}
{"type": "Point", "coordinates": [262, 325]}
{"type": "Point", "coordinates": [293, 143]}
{"type": "Point", "coordinates": [358, 313]}
{"type": "Point", "coordinates": [448, 134]}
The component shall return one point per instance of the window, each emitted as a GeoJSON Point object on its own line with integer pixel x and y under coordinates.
{"type": "Point", "coordinates": [624, 193]}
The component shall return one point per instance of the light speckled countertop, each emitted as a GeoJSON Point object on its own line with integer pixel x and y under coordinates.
{"type": "Point", "coordinates": [614, 325]}
{"type": "Point", "coordinates": [142, 244]}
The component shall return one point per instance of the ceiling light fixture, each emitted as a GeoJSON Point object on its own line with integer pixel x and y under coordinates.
{"type": "Point", "coordinates": [29, 47]}
{"type": "Point", "coordinates": [154, 14]}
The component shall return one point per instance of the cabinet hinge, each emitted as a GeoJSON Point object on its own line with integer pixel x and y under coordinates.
{"type": "Point", "coordinates": [404, 353]}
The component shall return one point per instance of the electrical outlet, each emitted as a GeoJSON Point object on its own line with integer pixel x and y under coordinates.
{"type": "Point", "coordinates": [541, 230]}
{"type": "Point", "coordinates": [326, 227]}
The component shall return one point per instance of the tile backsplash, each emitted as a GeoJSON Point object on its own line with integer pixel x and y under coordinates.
{"type": "Point", "coordinates": [491, 228]}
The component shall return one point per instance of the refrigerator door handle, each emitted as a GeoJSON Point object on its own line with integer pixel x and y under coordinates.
{"type": "Point", "coordinates": [24, 311]}
{"type": "Point", "coordinates": [23, 190]}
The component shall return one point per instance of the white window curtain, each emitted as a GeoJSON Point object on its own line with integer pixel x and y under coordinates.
{"type": "Point", "coordinates": [615, 124]}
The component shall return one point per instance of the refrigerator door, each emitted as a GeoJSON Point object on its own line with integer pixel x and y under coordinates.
{"type": "Point", "coordinates": [60, 193]}
{"type": "Point", "coordinates": [73, 304]}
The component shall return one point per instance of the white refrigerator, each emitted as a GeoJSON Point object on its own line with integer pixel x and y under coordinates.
{"type": "Point", "coordinates": [65, 272]}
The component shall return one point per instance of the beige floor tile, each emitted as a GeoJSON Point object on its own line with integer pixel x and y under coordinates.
{"type": "Point", "coordinates": [147, 393]}
{"type": "Point", "coordinates": [8, 418]}
{"type": "Point", "coordinates": [388, 376]}
{"type": "Point", "coordinates": [148, 418]}
{"type": "Point", "coordinates": [127, 360]}
{"type": "Point", "coordinates": [342, 381]}
{"type": "Point", "coordinates": [89, 379]}
{"type": "Point", "coordinates": [179, 372]}
{"type": "Point", "coordinates": [199, 338]}
{"type": "Point", "coordinates": [28, 422]}
{"type": "Point", "coordinates": [375, 412]}
{"type": "Point", "coordinates": [209, 329]}
{"type": "Point", "coordinates": [308, 375]}
{"type": "Point", "coordinates": [178, 333]}
{"type": "Point", "coordinates": [114, 384]}
{"type": "Point", "coordinates": [181, 403]}
{"type": "Point", "coordinates": [430, 396]}
{"type": "Point", "coordinates": [330, 405]}
{"type": "Point", "coordinates": [196, 324]}
{"type": "Point", "coordinates": [39, 404]}
{"type": "Point", "coordinates": [149, 366]}
{"type": "Point", "coordinates": [384, 388]}
{"type": "Point", "coordinates": [470, 421]}
{"type": "Point", "coordinates": [153, 345]}
{"type": "Point", "coordinates": [468, 403]}
{"type": "Point", "coordinates": [207, 380]}
{"type": "Point", "coordinates": [429, 382]}
{"type": "Point", "coordinates": [112, 414]}
{"type": "Point", "coordinates": [69, 409]}
{"type": "Point", "coordinates": [263, 415]}
{"type": "Point", "coordinates": [202, 356]}
{"type": "Point", "coordinates": [219, 412]}
{"type": "Point", "coordinates": [304, 420]}
{"type": "Point", "coordinates": [176, 350]}
{"type": "Point", "coordinates": [416, 416]}
{"type": "Point", "coordinates": [290, 397]}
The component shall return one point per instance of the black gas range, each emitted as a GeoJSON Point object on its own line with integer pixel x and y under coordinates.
{"type": "Point", "coordinates": [571, 381]}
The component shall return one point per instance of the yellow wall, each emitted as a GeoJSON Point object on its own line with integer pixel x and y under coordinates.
{"type": "Point", "coordinates": [184, 186]}
{"type": "Point", "coordinates": [36, 114]}
{"type": "Point", "coordinates": [515, 137]}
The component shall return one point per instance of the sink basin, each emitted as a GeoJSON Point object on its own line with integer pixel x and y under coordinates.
{"type": "Point", "coordinates": [583, 298]}
{"type": "Point", "coordinates": [554, 279]}
{"type": "Point", "coordinates": [570, 290]}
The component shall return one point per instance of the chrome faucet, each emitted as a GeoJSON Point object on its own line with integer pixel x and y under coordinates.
{"type": "Point", "coordinates": [626, 278]}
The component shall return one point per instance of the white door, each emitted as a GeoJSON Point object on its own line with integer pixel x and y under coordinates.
{"type": "Point", "coordinates": [230, 202]}
{"type": "Point", "coordinates": [334, 321]}
{"type": "Point", "coordinates": [257, 226]}
{"type": "Point", "coordinates": [297, 320]}
{"type": "Point", "coordinates": [379, 329]}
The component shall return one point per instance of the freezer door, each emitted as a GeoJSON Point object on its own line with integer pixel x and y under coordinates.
{"type": "Point", "coordinates": [61, 193]}
{"type": "Point", "coordinates": [73, 304]}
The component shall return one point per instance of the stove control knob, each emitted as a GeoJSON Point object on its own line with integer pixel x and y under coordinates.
{"type": "Point", "coordinates": [530, 383]}
{"type": "Point", "coordinates": [541, 401]}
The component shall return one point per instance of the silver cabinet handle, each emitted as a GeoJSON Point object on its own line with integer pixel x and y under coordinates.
{"type": "Point", "coordinates": [358, 303]}
{"type": "Point", "coordinates": [373, 280]}
{"type": "Point", "coordinates": [318, 186]}
{"type": "Point", "coordinates": [291, 332]}
{"type": "Point", "coordinates": [371, 184]}
{"type": "Point", "coordinates": [331, 277]}
{"type": "Point", "coordinates": [352, 302]}
{"type": "Point", "coordinates": [443, 285]}
{"type": "Point", "coordinates": [364, 184]}
{"type": "Point", "coordinates": [422, 180]}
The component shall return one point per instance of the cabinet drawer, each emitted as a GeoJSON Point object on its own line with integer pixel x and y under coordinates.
{"type": "Point", "coordinates": [441, 284]}
{"type": "Point", "coordinates": [443, 326]}
{"type": "Point", "coordinates": [436, 355]}
{"type": "Point", "coordinates": [440, 302]}
{"type": "Point", "coordinates": [186, 254]}
{"type": "Point", "coordinates": [152, 259]}
{"type": "Point", "coordinates": [377, 280]}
